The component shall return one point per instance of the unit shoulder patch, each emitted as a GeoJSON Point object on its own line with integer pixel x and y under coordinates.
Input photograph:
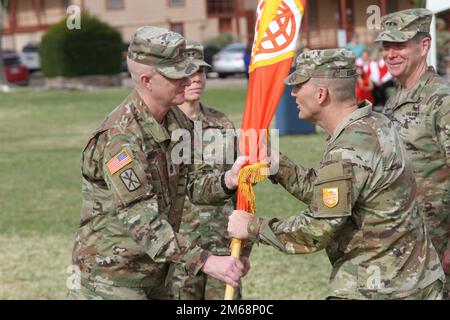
{"type": "Point", "coordinates": [330, 197]}
{"type": "Point", "coordinates": [130, 180]}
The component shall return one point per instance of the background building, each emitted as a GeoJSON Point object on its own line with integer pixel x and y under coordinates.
{"type": "Point", "coordinates": [200, 20]}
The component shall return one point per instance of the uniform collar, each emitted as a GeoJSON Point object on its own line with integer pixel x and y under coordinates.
{"type": "Point", "coordinates": [364, 109]}
{"type": "Point", "coordinates": [150, 126]}
{"type": "Point", "coordinates": [413, 95]}
{"type": "Point", "coordinates": [208, 119]}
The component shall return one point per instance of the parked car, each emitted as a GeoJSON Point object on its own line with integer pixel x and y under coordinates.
{"type": "Point", "coordinates": [30, 57]}
{"type": "Point", "coordinates": [208, 53]}
{"type": "Point", "coordinates": [230, 60]}
{"type": "Point", "coordinates": [15, 71]}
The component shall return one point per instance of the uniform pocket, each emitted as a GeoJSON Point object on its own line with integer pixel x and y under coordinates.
{"type": "Point", "coordinates": [332, 192]}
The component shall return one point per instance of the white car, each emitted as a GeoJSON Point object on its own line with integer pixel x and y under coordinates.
{"type": "Point", "coordinates": [30, 57]}
{"type": "Point", "coordinates": [230, 60]}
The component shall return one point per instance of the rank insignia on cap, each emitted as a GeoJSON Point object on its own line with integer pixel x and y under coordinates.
{"type": "Point", "coordinates": [330, 197]}
{"type": "Point", "coordinates": [119, 161]}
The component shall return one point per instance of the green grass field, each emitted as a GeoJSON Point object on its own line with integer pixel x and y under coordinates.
{"type": "Point", "coordinates": [42, 135]}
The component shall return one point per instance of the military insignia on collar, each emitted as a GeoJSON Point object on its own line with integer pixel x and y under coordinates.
{"type": "Point", "coordinates": [130, 180]}
{"type": "Point", "coordinates": [119, 161]}
{"type": "Point", "coordinates": [330, 197]}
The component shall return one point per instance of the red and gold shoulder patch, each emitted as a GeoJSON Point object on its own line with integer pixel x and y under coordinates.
{"type": "Point", "coordinates": [330, 197]}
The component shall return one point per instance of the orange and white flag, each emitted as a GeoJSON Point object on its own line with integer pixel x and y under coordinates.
{"type": "Point", "coordinates": [276, 34]}
{"type": "Point", "coordinates": [277, 31]}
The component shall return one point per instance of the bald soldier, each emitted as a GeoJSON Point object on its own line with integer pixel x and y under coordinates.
{"type": "Point", "coordinates": [134, 191]}
{"type": "Point", "coordinates": [206, 225]}
{"type": "Point", "coordinates": [362, 206]}
{"type": "Point", "coordinates": [420, 111]}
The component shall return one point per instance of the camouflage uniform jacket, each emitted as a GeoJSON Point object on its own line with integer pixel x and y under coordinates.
{"type": "Point", "coordinates": [422, 117]}
{"type": "Point", "coordinates": [206, 225]}
{"type": "Point", "coordinates": [133, 197]}
{"type": "Point", "coordinates": [362, 209]}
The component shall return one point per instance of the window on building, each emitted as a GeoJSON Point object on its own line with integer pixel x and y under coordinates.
{"type": "Point", "coordinates": [220, 6]}
{"type": "Point", "coordinates": [313, 15]}
{"type": "Point", "coordinates": [392, 6]}
{"type": "Point", "coordinates": [348, 12]}
{"type": "Point", "coordinates": [114, 4]}
{"type": "Point", "coordinates": [225, 25]}
{"type": "Point", "coordinates": [175, 3]}
{"type": "Point", "coordinates": [177, 27]}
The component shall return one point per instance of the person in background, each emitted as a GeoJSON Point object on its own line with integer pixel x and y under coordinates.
{"type": "Point", "coordinates": [420, 110]}
{"type": "Point", "coordinates": [248, 57]}
{"type": "Point", "coordinates": [442, 45]}
{"type": "Point", "coordinates": [383, 82]}
{"type": "Point", "coordinates": [355, 46]}
{"type": "Point", "coordinates": [364, 86]}
{"type": "Point", "coordinates": [206, 225]}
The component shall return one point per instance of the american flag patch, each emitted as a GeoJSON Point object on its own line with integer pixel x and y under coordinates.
{"type": "Point", "coordinates": [119, 161]}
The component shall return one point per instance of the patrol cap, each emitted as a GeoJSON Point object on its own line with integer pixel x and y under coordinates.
{"type": "Point", "coordinates": [329, 63]}
{"type": "Point", "coordinates": [403, 25]}
{"type": "Point", "coordinates": [162, 49]}
{"type": "Point", "coordinates": [194, 50]}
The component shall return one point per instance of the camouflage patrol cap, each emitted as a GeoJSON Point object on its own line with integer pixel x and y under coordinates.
{"type": "Point", "coordinates": [162, 49]}
{"type": "Point", "coordinates": [403, 25]}
{"type": "Point", "coordinates": [330, 63]}
{"type": "Point", "coordinates": [194, 50]}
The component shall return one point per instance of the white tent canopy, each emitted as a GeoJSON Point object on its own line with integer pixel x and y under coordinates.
{"type": "Point", "coordinates": [436, 6]}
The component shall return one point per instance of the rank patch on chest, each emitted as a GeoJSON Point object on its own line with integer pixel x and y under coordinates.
{"type": "Point", "coordinates": [130, 180]}
{"type": "Point", "coordinates": [119, 161]}
{"type": "Point", "coordinates": [330, 197]}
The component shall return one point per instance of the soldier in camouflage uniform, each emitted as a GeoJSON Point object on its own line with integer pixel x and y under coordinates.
{"type": "Point", "coordinates": [442, 46]}
{"type": "Point", "coordinates": [362, 206]}
{"type": "Point", "coordinates": [204, 224]}
{"type": "Point", "coordinates": [134, 191]}
{"type": "Point", "coordinates": [421, 112]}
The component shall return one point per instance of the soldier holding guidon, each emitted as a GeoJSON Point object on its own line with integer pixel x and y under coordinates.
{"type": "Point", "coordinates": [134, 191]}
{"type": "Point", "coordinates": [362, 199]}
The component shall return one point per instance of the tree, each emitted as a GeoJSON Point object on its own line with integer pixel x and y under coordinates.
{"type": "Point", "coordinates": [4, 4]}
{"type": "Point", "coordinates": [420, 4]}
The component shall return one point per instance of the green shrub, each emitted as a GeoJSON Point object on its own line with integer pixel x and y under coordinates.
{"type": "Point", "coordinates": [95, 49]}
{"type": "Point", "coordinates": [221, 41]}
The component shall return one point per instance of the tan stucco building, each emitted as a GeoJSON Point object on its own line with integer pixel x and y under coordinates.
{"type": "Point", "coordinates": [199, 20]}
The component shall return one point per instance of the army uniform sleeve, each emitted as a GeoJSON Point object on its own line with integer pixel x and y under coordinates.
{"type": "Point", "coordinates": [124, 170]}
{"type": "Point", "coordinates": [335, 192]}
{"type": "Point", "coordinates": [441, 128]}
{"type": "Point", "coordinates": [296, 179]}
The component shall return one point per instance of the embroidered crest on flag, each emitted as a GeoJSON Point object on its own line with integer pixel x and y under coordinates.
{"type": "Point", "coordinates": [119, 161]}
{"type": "Point", "coordinates": [277, 31]}
{"type": "Point", "coordinates": [330, 197]}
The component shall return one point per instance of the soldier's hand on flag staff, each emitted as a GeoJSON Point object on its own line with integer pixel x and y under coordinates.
{"type": "Point", "coordinates": [231, 176]}
{"type": "Point", "coordinates": [225, 268]}
{"type": "Point", "coordinates": [238, 223]}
